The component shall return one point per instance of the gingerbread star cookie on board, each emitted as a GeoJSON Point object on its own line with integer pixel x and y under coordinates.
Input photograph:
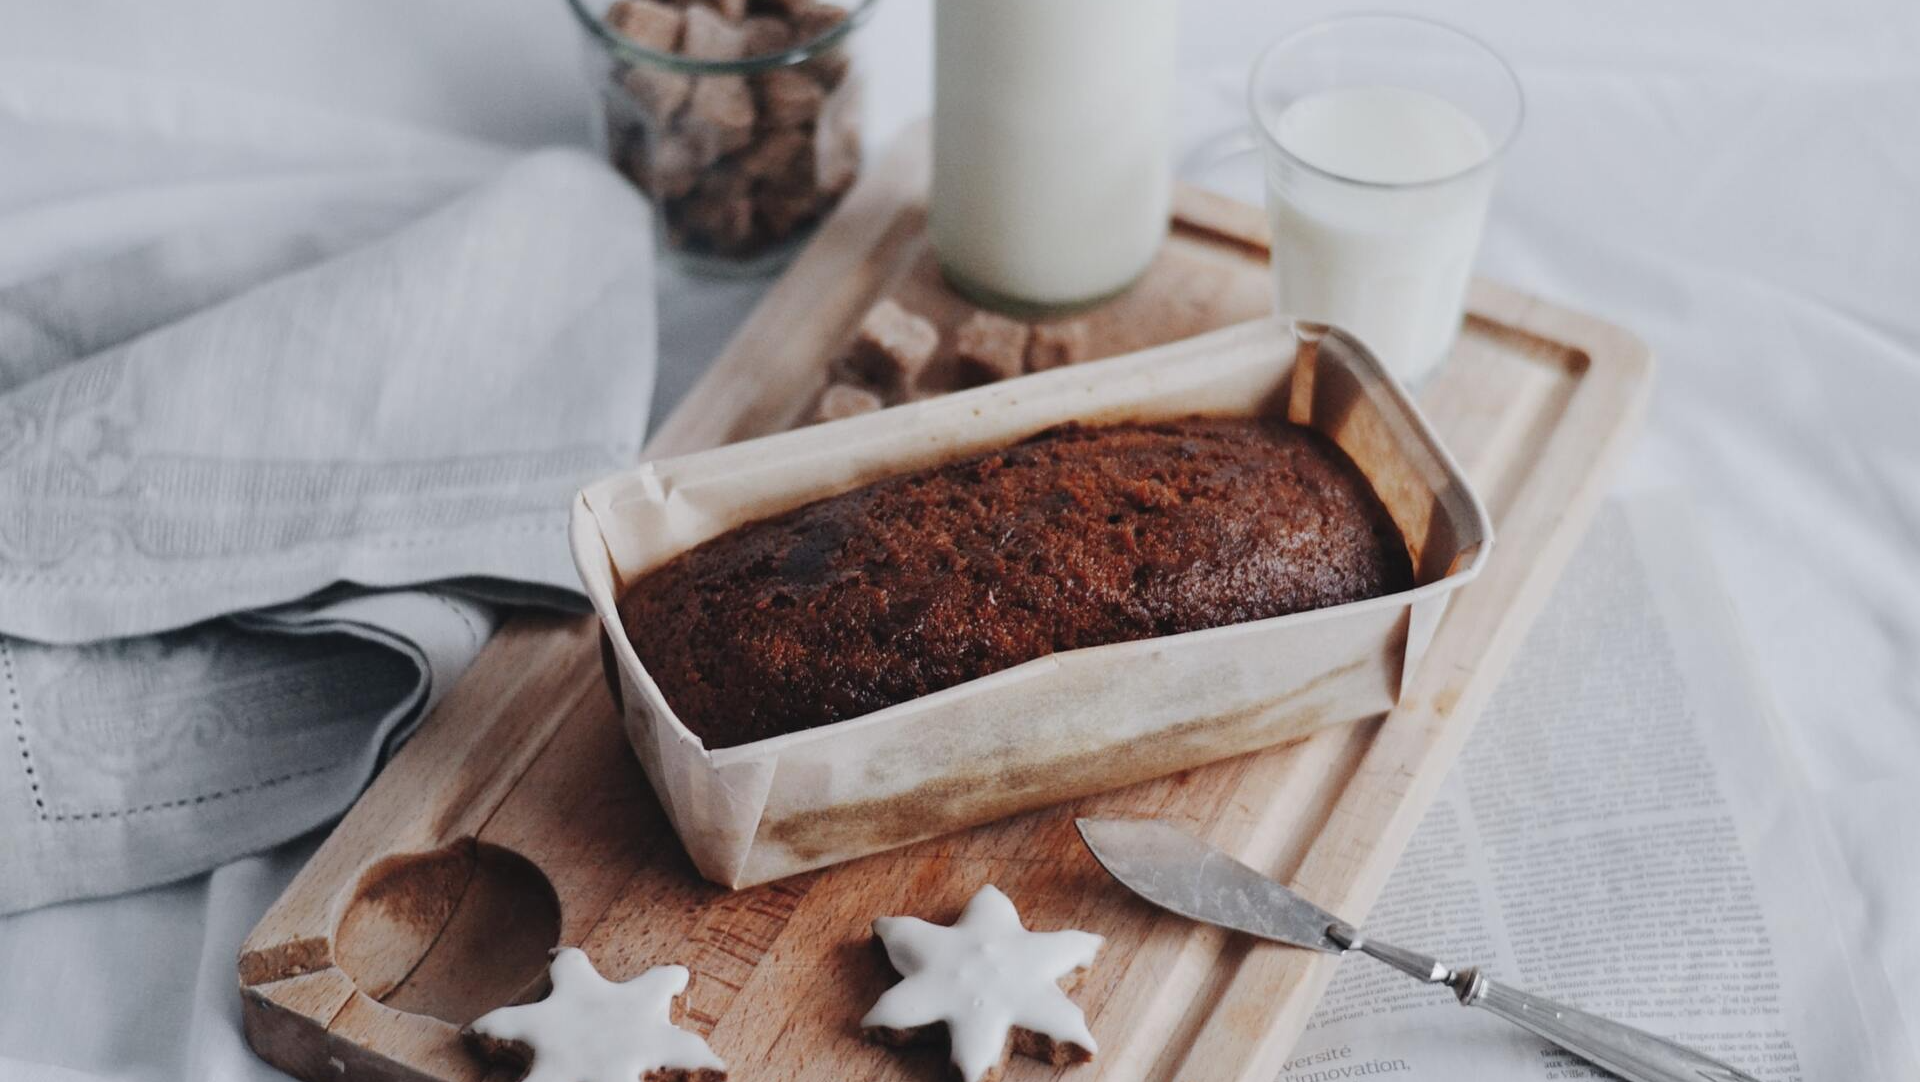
{"type": "Point", "coordinates": [591, 1029]}
{"type": "Point", "coordinates": [990, 982]}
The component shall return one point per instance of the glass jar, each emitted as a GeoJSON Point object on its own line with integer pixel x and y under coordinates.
{"type": "Point", "coordinates": [738, 119]}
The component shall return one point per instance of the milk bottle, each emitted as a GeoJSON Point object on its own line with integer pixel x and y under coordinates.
{"type": "Point", "coordinates": [1051, 146]}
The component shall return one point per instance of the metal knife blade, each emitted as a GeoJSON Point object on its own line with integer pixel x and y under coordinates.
{"type": "Point", "coordinates": [1182, 874]}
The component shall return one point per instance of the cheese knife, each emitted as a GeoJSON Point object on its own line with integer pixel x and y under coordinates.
{"type": "Point", "coordinates": [1182, 874]}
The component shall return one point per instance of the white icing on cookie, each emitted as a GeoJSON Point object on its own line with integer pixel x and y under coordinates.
{"type": "Point", "coordinates": [983, 977]}
{"type": "Point", "coordinates": [591, 1029]}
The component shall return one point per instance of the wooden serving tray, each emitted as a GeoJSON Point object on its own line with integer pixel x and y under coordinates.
{"type": "Point", "coordinates": [517, 818]}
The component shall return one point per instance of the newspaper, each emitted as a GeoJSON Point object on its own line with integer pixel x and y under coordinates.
{"type": "Point", "coordinates": [1624, 834]}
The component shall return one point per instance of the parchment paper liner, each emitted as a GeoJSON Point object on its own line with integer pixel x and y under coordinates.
{"type": "Point", "coordinates": [1061, 726]}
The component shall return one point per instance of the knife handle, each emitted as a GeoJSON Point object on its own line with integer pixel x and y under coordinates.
{"type": "Point", "coordinates": [1631, 1053]}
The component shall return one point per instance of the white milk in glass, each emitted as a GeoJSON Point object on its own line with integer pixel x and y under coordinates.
{"type": "Point", "coordinates": [1384, 246]}
{"type": "Point", "coordinates": [1051, 145]}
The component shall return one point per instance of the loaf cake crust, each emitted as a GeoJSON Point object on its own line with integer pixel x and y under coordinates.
{"type": "Point", "coordinates": [1078, 536]}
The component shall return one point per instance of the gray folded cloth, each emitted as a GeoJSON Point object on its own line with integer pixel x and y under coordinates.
{"type": "Point", "coordinates": [263, 479]}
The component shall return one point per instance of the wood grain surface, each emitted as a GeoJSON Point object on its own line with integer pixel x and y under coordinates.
{"type": "Point", "coordinates": [517, 819]}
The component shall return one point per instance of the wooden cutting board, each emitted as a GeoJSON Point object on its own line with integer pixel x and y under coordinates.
{"type": "Point", "coordinates": [517, 818]}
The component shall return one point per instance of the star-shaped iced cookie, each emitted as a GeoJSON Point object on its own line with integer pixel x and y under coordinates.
{"type": "Point", "coordinates": [990, 982]}
{"type": "Point", "coordinates": [591, 1029]}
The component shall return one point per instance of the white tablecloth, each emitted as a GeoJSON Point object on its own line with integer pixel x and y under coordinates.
{"type": "Point", "coordinates": [1738, 181]}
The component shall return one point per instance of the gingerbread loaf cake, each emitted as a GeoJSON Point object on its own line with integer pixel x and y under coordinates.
{"type": "Point", "coordinates": [1078, 536]}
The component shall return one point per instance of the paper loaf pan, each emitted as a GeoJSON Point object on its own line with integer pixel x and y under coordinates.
{"type": "Point", "coordinates": [1061, 726]}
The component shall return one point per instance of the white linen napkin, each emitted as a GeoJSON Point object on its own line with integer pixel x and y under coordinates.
{"type": "Point", "coordinates": [274, 437]}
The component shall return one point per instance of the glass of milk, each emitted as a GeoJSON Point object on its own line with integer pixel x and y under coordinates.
{"type": "Point", "coordinates": [1380, 135]}
{"type": "Point", "coordinates": [1052, 147]}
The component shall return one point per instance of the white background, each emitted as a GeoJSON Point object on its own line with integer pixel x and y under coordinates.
{"type": "Point", "coordinates": [1738, 181]}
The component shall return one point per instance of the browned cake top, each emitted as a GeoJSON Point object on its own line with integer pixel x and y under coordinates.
{"type": "Point", "coordinates": [1074, 537]}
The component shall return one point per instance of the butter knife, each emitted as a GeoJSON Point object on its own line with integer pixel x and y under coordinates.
{"type": "Point", "coordinates": [1182, 874]}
